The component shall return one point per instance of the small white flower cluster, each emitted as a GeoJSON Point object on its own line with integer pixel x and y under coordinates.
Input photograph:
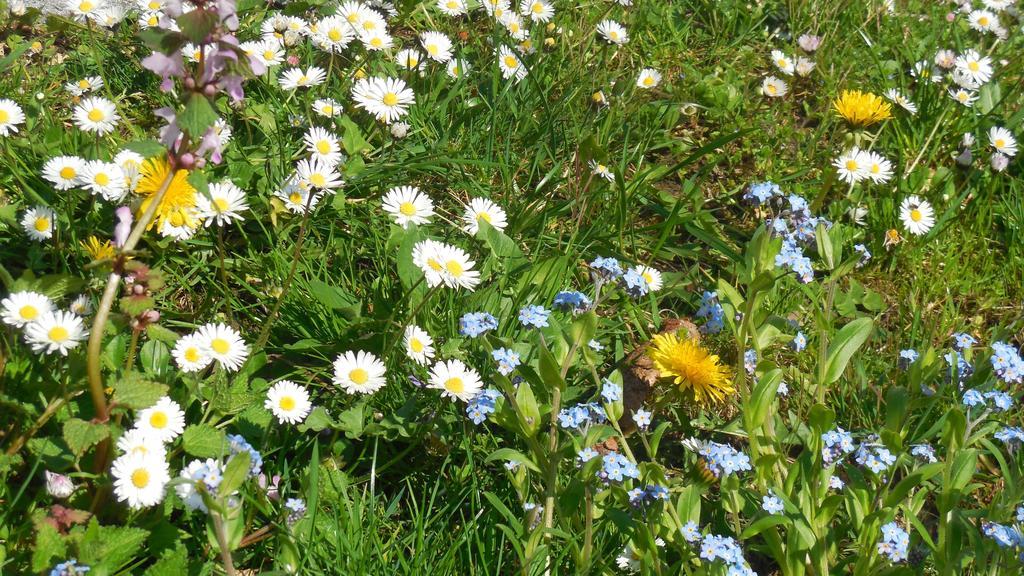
{"type": "Point", "coordinates": [46, 329]}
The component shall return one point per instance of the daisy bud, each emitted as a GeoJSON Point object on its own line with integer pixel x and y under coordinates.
{"type": "Point", "coordinates": [292, 60]}
{"type": "Point", "coordinates": [399, 129]}
{"type": "Point", "coordinates": [809, 42]}
{"type": "Point", "coordinates": [968, 139]}
{"type": "Point", "coordinates": [58, 485]}
{"type": "Point", "coordinates": [999, 162]}
{"type": "Point", "coordinates": [950, 17]}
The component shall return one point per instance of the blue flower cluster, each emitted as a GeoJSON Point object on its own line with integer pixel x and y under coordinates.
{"type": "Point", "coordinates": [771, 503]}
{"type": "Point", "coordinates": [641, 496]}
{"type": "Point", "coordinates": [963, 341]}
{"type": "Point", "coordinates": [838, 443]}
{"type": "Point", "coordinates": [894, 543]}
{"type": "Point", "coordinates": [1007, 363]}
{"type": "Point", "coordinates": [69, 568]}
{"type": "Point", "coordinates": [907, 357]}
{"type": "Point", "coordinates": [610, 391]}
{"type": "Point", "coordinates": [606, 268]}
{"type": "Point", "coordinates": [762, 192]}
{"type": "Point", "coordinates": [237, 444]}
{"type": "Point", "coordinates": [574, 302]}
{"type": "Point", "coordinates": [836, 483]}
{"type": "Point", "coordinates": [586, 455]}
{"type": "Point", "coordinates": [726, 549]}
{"type": "Point", "coordinates": [865, 254]}
{"type": "Point", "coordinates": [874, 457]}
{"type": "Point", "coordinates": [474, 324]}
{"type": "Point", "coordinates": [534, 316]}
{"type": "Point", "coordinates": [507, 359]}
{"type": "Point", "coordinates": [296, 508]}
{"type": "Point", "coordinates": [924, 452]}
{"type": "Point", "coordinates": [691, 532]}
{"type": "Point", "coordinates": [1001, 401]}
{"type": "Point", "coordinates": [581, 415]}
{"type": "Point", "coordinates": [723, 460]}
{"type": "Point", "coordinates": [1004, 536]}
{"type": "Point", "coordinates": [615, 468]}
{"type": "Point", "coordinates": [1011, 435]}
{"type": "Point", "coordinates": [482, 404]}
{"type": "Point", "coordinates": [712, 311]}
{"type": "Point", "coordinates": [960, 366]}
{"type": "Point", "coordinates": [796, 226]}
{"type": "Point", "coordinates": [634, 283]}
{"type": "Point", "coordinates": [750, 360]}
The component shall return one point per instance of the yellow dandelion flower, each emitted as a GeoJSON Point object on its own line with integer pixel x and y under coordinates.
{"type": "Point", "coordinates": [862, 108]}
{"type": "Point", "coordinates": [691, 367]}
{"type": "Point", "coordinates": [97, 249]}
{"type": "Point", "coordinates": [178, 204]}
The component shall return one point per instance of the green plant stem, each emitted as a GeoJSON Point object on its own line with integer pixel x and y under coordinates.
{"type": "Point", "coordinates": [265, 332]}
{"type": "Point", "coordinates": [588, 528]}
{"type": "Point", "coordinates": [222, 543]}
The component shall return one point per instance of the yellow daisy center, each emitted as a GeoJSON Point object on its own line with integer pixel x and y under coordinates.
{"type": "Point", "coordinates": [4, 116]}
{"type": "Point", "coordinates": [286, 403]}
{"type": "Point", "coordinates": [434, 265]}
{"type": "Point", "coordinates": [317, 179]}
{"type": "Point", "coordinates": [511, 62]}
{"type": "Point", "coordinates": [221, 204]}
{"type": "Point", "coordinates": [158, 420]}
{"type": "Point", "coordinates": [86, 6]}
{"type": "Point", "coordinates": [191, 354]}
{"type": "Point", "coordinates": [851, 165]}
{"type": "Point", "coordinates": [613, 35]}
{"type": "Point", "coordinates": [999, 143]}
{"type": "Point", "coordinates": [68, 172]}
{"type": "Point", "coordinates": [647, 276]}
{"type": "Point", "coordinates": [323, 147]}
{"type": "Point", "coordinates": [220, 346]}
{"type": "Point", "coordinates": [102, 179]}
{"type": "Point", "coordinates": [268, 55]}
{"type": "Point", "coordinates": [537, 8]}
{"type": "Point", "coordinates": [295, 198]}
{"type": "Point", "coordinates": [915, 215]}
{"type": "Point", "coordinates": [328, 110]}
{"type": "Point", "coordinates": [390, 99]}
{"type": "Point", "coordinates": [359, 376]}
{"type": "Point", "coordinates": [334, 34]}
{"type": "Point", "coordinates": [454, 268]}
{"type": "Point", "coordinates": [353, 18]}
{"type": "Point", "coordinates": [771, 89]}
{"type": "Point", "coordinates": [83, 84]}
{"type": "Point", "coordinates": [96, 115]}
{"type": "Point", "coordinates": [983, 21]}
{"type": "Point", "coordinates": [415, 345]}
{"type": "Point", "coordinates": [452, 5]}
{"type": "Point", "coordinates": [153, 21]}
{"type": "Point", "coordinates": [28, 312]}
{"type": "Point", "coordinates": [42, 224]}
{"type": "Point", "coordinates": [140, 478]}
{"type": "Point", "coordinates": [303, 79]}
{"type": "Point", "coordinates": [484, 216]}
{"type": "Point", "coordinates": [454, 385]}
{"type": "Point", "coordinates": [407, 208]}
{"type": "Point", "coordinates": [432, 49]}
{"type": "Point", "coordinates": [376, 42]}
{"type": "Point", "coordinates": [58, 334]}
{"type": "Point", "coordinates": [649, 80]}
{"type": "Point", "coordinates": [973, 66]}
{"type": "Point", "coordinates": [154, 5]}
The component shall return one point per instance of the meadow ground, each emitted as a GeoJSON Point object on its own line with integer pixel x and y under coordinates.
{"type": "Point", "coordinates": [702, 287]}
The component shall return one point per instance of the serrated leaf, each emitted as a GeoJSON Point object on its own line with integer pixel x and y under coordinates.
{"type": "Point", "coordinates": [171, 563]}
{"type": "Point", "coordinates": [138, 393]}
{"type": "Point", "coordinates": [203, 441]}
{"type": "Point", "coordinates": [197, 116]}
{"type": "Point", "coordinates": [81, 435]}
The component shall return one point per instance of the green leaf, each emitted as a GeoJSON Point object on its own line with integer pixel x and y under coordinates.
{"type": "Point", "coordinates": [203, 441]}
{"type": "Point", "coordinates": [235, 473]}
{"type": "Point", "coordinates": [197, 24]}
{"type": "Point", "coordinates": [500, 244]}
{"type": "Point", "coordinates": [81, 435]}
{"type": "Point", "coordinates": [146, 148]}
{"type": "Point", "coordinates": [756, 411]}
{"type": "Point", "coordinates": [108, 548]}
{"type": "Point", "coordinates": [317, 420]}
{"type": "Point", "coordinates": [49, 546]}
{"type": "Point", "coordinates": [333, 297]}
{"type": "Point", "coordinates": [848, 340]}
{"type": "Point", "coordinates": [197, 116]}
{"type": "Point", "coordinates": [351, 421]}
{"type": "Point", "coordinates": [171, 563]}
{"type": "Point", "coordinates": [352, 139]}
{"type": "Point", "coordinates": [550, 373]}
{"type": "Point", "coordinates": [137, 393]}
{"type": "Point", "coordinates": [528, 405]}
{"type": "Point", "coordinates": [510, 454]}
{"type": "Point", "coordinates": [762, 524]}
{"type": "Point", "coordinates": [158, 332]}
{"type": "Point", "coordinates": [155, 358]}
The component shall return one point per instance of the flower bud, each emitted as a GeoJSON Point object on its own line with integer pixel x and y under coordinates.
{"type": "Point", "coordinates": [58, 485]}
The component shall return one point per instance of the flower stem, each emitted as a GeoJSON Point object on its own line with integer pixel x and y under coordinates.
{"type": "Point", "coordinates": [265, 332]}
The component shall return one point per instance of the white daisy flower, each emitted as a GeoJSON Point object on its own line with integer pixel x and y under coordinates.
{"type": "Point", "coordinates": [965, 97]}
{"type": "Point", "coordinates": [376, 39]}
{"type": "Point", "coordinates": [354, 12]}
{"type": "Point", "coordinates": [900, 100]}
{"type": "Point", "coordinates": [226, 202]}
{"type": "Point", "coordinates": [437, 46]}
{"type": "Point", "coordinates": [225, 345]}
{"type": "Point", "coordinates": [164, 420]}
{"type": "Point", "coordinates": [975, 66]}
{"type": "Point", "coordinates": [537, 10]}
{"type": "Point", "coordinates": [84, 86]}
{"type": "Point", "coordinates": [296, 197]}
{"type": "Point", "coordinates": [387, 99]}
{"type": "Point", "coordinates": [652, 276]}
{"type": "Point", "coordinates": [496, 8]}
{"type": "Point", "coordinates": [452, 7]}
{"type": "Point", "coordinates": [408, 205]}
{"type": "Point", "coordinates": [182, 226]}
{"type": "Point", "coordinates": [323, 145]}
{"type": "Point", "coordinates": [510, 65]}
{"type": "Point", "coordinates": [294, 78]}
{"type": "Point", "coordinates": [20, 308]}
{"type": "Point", "coordinates": [648, 78]}
{"type": "Point", "coordinates": [410, 59]}
{"type": "Point", "coordinates": [982, 20]}
{"type": "Point", "coordinates": [105, 179]}
{"type": "Point", "coordinates": [190, 353]}
{"type": "Point", "coordinates": [63, 171]}
{"type": "Point", "coordinates": [457, 68]}
{"type": "Point", "coordinates": [852, 166]}
{"type": "Point", "coordinates": [149, 19]}
{"type": "Point", "coordinates": [11, 115]}
{"type": "Point", "coordinates": [1002, 140]}
{"type": "Point", "coordinates": [38, 223]}
{"type": "Point", "coordinates": [917, 215]}
{"type": "Point", "coordinates": [150, 5]}
{"type": "Point", "coordinates": [288, 402]}
{"type": "Point", "coordinates": [804, 66]}
{"type": "Point", "coordinates": [878, 168]}
{"type": "Point", "coordinates": [445, 264]}
{"type": "Point", "coordinates": [998, 5]}
{"type": "Point", "coordinates": [598, 169]}
{"type": "Point", "coordinates": [140, 480]}
{"type": "Point", "coordinates": [455, 380]}
{"type": "Point", "coordinates": [81, 305]}
{"type": "Point", "coordinates": [784, 63]}
{"type": "Point", "coordinates": [268, 52]}
{"type": "Point", "coordinates": [317, 174]}
{"type": "Point", "coordinates": [945, 59]}
{"type": "Point", "coordinates": [483, 209]}
{"type": "Point", "coordinates": [514, 25]}
{"type": "Point", "coordinates": [328, 108]}
{"type": "Point", "coordinates": [83, 10]}
{"type": "Point", "coordinates": [359, 372]}
{"type": "Point", "coordinates": [333, 34]}
{"type": "Point", "coordinates": [925, 71]}
{"type": "Point", "coordinates": [774, 87]}
{"type": "Point", "coordinates": [419, 346]}
{"type": "Point", "coordinates": [613, 32]}
{"type": "Point", "coordinates": [96, 115]}
{"type": "Point", "coordinates": [141, 442]}
{"type": "Point", "coordinates": [55, 331]}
